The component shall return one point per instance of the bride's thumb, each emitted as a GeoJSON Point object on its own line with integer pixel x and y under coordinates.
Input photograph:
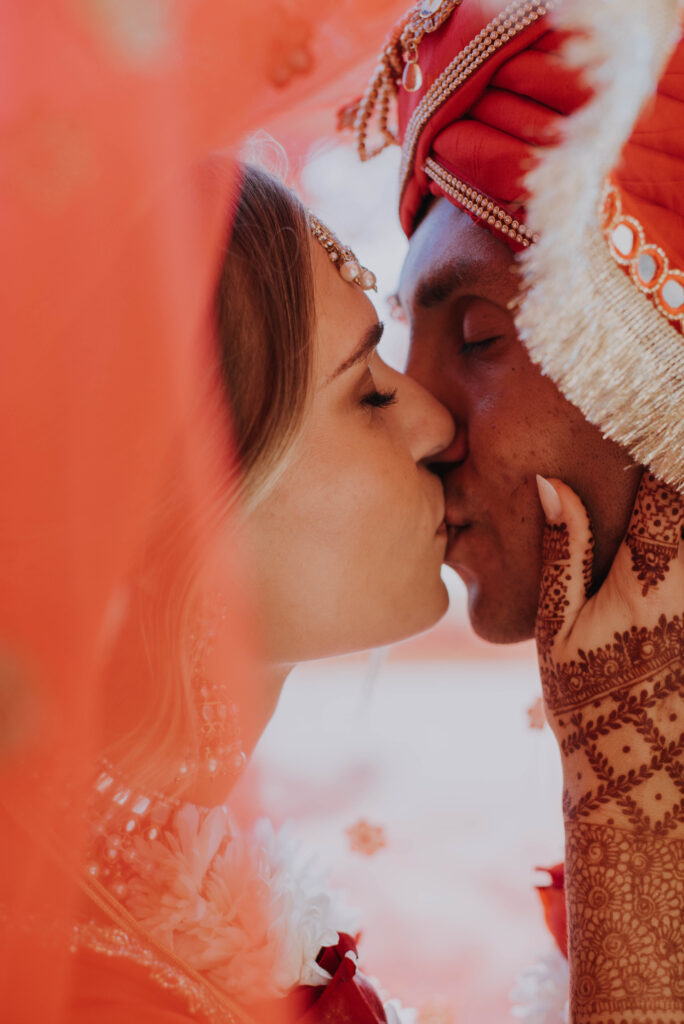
{"type": "Point", "coordinates": [567, 560]}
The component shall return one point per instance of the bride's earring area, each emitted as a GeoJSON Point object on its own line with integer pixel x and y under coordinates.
{"type": "Point", "coordinates": [220, 753]}
{"type": "Point", "coordinates": [124, 815]}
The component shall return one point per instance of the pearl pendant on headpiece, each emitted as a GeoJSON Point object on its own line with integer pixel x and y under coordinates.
{"type": "Point", "coordinates": [428, 16]}
{"type": "Point", "coordinates": [346, 262]}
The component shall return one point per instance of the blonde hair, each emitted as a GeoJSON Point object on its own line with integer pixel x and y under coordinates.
{"type": "Point", "coordinates": [265, 322]}
{"type": "Point", "coordinates": [264, 318]}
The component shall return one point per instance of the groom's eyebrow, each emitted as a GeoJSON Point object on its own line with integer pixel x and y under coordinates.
{"type": "Point", "coordinates": [437, 288]}
{"type": "Point", "coordinates": [369, 341]}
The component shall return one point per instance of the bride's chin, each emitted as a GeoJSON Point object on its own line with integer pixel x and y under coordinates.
{"type": "Point", "coordinates": [441, 604]}
{"type": "Point", "coordinates": [420, 608]}
{"type": "Point", "coordinates": [426, 613]}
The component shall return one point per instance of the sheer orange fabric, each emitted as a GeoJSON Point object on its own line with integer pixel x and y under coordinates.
{"type": "Point", "coordinates": [108, 263]}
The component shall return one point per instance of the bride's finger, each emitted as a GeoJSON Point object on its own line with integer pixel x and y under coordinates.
{"type": "Point", "coordinates": [567, 558]}
{"type": "Point", "coordinates": [654, 537]}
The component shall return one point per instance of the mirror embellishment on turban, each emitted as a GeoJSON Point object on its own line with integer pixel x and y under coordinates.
{"type": "Point", "coordinates": [647, 265]}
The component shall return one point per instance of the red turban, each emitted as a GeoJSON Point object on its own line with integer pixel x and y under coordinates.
{"type": "Point", "coordinates": [493, 90]}
{"type": "Point", "coordinates": [496, 114]}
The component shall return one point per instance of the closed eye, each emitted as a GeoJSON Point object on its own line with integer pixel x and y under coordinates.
{"type": "Point", "coordinates": [379, 399]}
{"type": "Point", "coordinates": [481, 345]}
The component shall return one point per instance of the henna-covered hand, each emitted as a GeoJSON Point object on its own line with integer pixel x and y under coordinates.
{"type": "Point", "coordinates": [612, 669]}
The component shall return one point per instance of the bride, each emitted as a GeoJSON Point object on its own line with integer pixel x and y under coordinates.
{"type": "Point", "coordinates": [342, 524]}
{"type": "Point", "coordinates": [341, 521]}
{"type": "Point", "coordinates": [345, 520]}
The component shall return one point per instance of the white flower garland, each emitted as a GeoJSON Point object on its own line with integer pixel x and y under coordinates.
{"type": "Point", "coordinates": [540, 995]}
{"type": "Point", "coordinates": [247, 911]}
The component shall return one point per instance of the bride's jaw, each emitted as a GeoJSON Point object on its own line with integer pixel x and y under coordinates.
{"type": "Point", "coordinates": [347, 546]}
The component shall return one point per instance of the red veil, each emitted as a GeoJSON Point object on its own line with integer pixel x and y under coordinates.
{"type": "Point", "coordinates": [108, 264]}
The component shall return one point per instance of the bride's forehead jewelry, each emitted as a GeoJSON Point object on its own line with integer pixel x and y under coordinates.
{"type": "Point", "coordinates": [344, 259]}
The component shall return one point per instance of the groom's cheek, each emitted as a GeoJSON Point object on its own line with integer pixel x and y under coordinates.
{"type": "Point", "coordinates": [503, 573]}
{"type": "Point", "coordinates": [536, 430]}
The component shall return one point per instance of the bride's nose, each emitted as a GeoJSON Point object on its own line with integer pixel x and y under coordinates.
{"type": "Point", "coordinates": [428, 425]}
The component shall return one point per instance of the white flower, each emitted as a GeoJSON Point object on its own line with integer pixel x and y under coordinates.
{"type": "Point", "coordinates": [540, 995]}
{"type": "Point", "coordinates": [245, 910]}
{"type": "Point", "coordinates": [398, 1014]}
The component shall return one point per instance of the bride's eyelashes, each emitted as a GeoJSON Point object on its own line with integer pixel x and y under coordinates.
{"type": "Point", "coordinates": [375, 398]}
{"type": "Point", "coordinates": [379, 399]}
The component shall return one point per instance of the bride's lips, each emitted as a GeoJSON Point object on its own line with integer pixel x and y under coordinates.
{"type": "Point", "coordinates": [441, 519]}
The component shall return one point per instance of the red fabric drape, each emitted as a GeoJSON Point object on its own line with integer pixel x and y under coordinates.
{"type": "Point", "coordinates": [107, 268]}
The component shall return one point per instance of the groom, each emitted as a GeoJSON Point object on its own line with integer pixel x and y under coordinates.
{"type": "Point", "coordinates": [456, 288]}
{"type": "Point", "coordinates": [470, 130]}
{"type": "Point", "coordinates": [480, 98]}
{"type": "Point", "coordinates": [456, 292]}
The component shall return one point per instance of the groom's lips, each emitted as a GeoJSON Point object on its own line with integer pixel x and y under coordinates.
{"type": "Point", "coordinates": [456, 520]}
{"type": "Point", "coordinates": [457, 525]}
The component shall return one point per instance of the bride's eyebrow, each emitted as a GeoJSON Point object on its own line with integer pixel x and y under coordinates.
{"type": "Point", "coordinates": [369, 341]}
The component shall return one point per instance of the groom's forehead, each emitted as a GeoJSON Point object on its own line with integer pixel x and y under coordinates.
{"type": "Point", "coordinates": [449, 255]}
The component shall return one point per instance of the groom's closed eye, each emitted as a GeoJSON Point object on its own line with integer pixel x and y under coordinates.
{"type": "Point", "coordinates": [483, 324]}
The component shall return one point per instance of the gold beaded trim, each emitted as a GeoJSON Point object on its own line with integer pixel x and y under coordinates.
{"type": "Point", "coordinates": [399, 53]}
{"type": "Point", "coordinates": [378, 96]}
{"type": "Point", "coordinates": [518, 16]}
{"type": "Point", "coordinates": [427, 16]}
{"type": "Point", "coordinates": [479, 204]}
{"type": "Point", "coordinates": [342, 256]}
{"type": "Point", "coordinates": [647, 264]}
{"type": "Point", "coordinates": [127, 939]}
{"type": "Point", "coordinates": [116, 943]}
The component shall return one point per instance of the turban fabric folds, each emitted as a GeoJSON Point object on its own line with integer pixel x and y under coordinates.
{"type": "Point", "coordinates": [483, 133]}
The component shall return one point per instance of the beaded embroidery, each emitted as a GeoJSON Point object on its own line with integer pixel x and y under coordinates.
{"type": "Point", "coordinates": [427, 17]}
{"type": "Point", "coordinates": [401, 47]}
{"type": "Point", "coordinates": [518, 16]}
{"type": "Point", "coordinates": [219, 727]}
{"type": "Point", "coordinates": [398, 63]}
{"type": "Point", "coordinates": [109, 941]}
{"type": "Point", "coordinates": [122, 814]}
{"type": "Point", "coordinates": [647, 265]}
{"type": "Point", "coordinates": [342, 256]}
{"type": "Point", "coordinates": [220, 750]}
{"type": "Point", "coordinates": [479, 204]}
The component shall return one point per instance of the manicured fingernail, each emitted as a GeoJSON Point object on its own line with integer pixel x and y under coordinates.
{"type": "Point", "coordinates": [551, 503]}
